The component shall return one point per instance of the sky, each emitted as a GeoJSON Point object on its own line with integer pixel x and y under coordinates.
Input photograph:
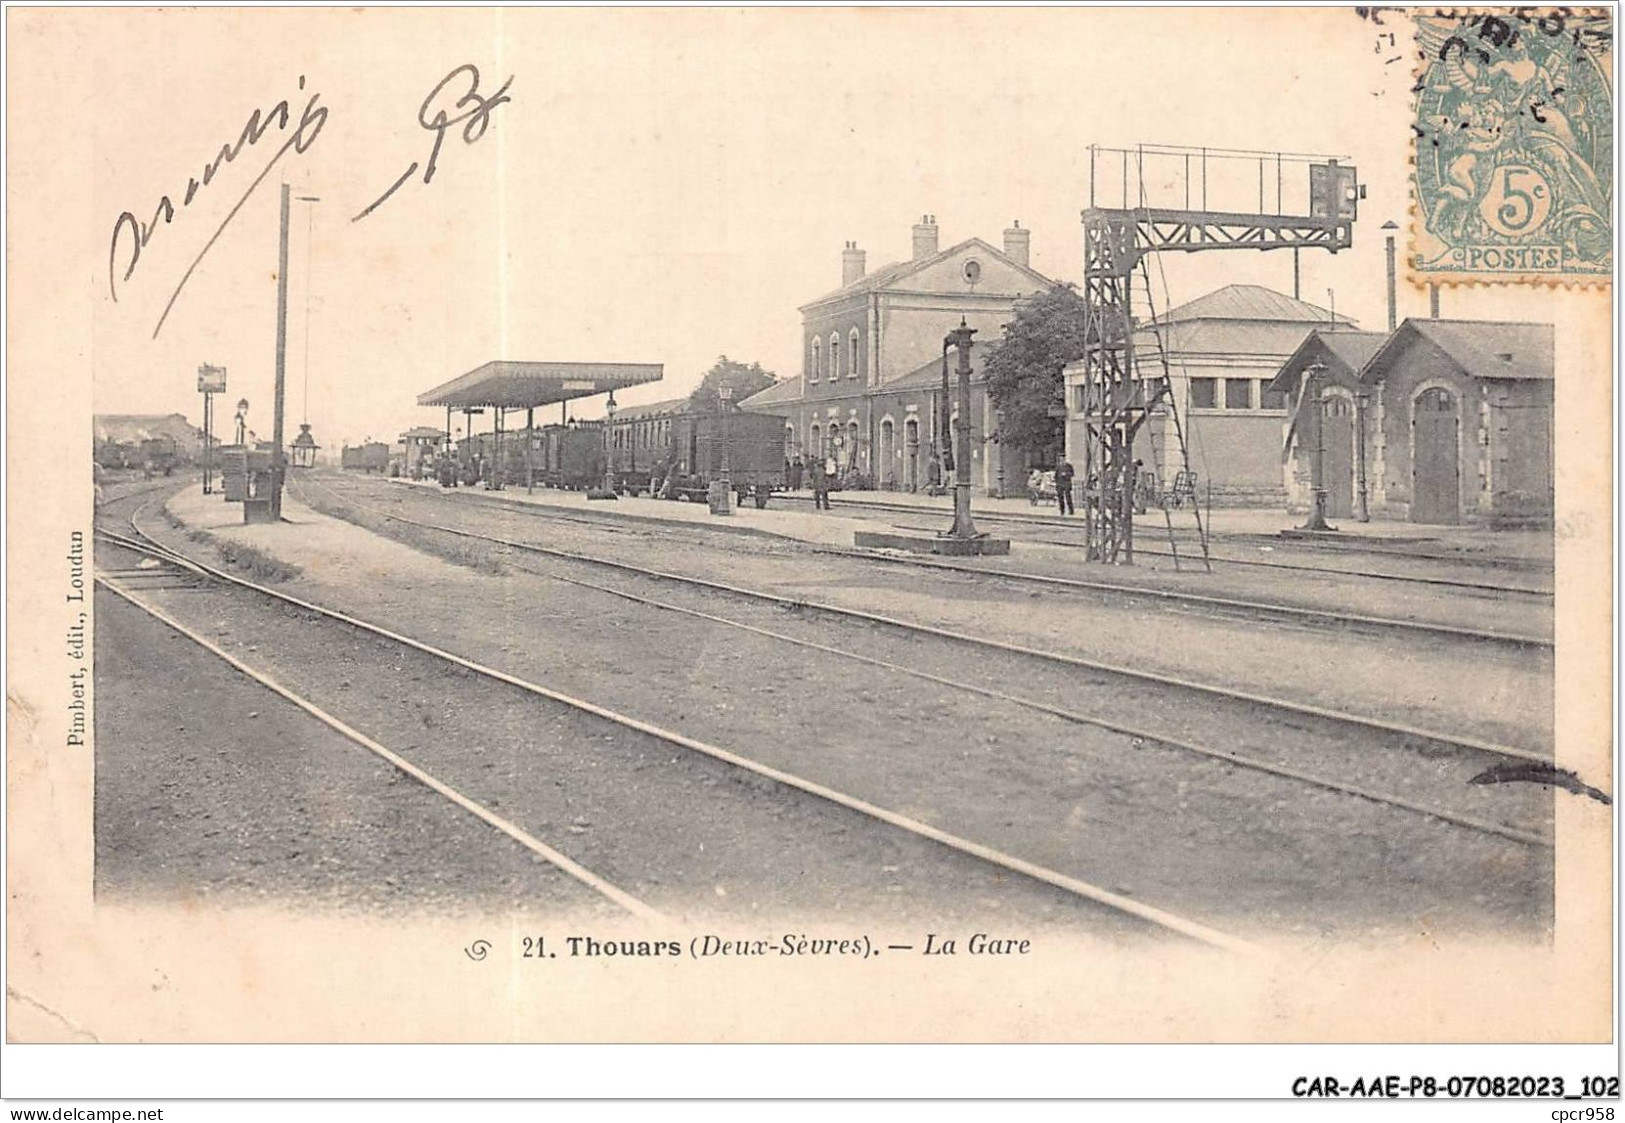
{"type": "Point", "coordinates": [666, 186]}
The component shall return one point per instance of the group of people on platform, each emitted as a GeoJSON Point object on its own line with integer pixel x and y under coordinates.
{"type": "Point", "coordinates": [820, 475]}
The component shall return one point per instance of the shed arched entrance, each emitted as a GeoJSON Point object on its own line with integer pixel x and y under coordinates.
{"type": "Point", "coordinates": [1436, 458]}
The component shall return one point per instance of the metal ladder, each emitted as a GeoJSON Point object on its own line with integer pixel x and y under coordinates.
{"type": "Point", "coordinates": [1183, 487]}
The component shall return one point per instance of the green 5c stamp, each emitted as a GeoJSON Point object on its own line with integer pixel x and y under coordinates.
{"type": "Point", "coordinates": [1514, 137]}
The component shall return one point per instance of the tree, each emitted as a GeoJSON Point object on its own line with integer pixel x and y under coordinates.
{"type": "Point", "coordinates": [1024, 368]}
{"type": "Point", "coordinates": [741, 379]}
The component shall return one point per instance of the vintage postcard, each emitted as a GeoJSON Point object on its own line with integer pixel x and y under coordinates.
{"type": "Point", "coordinates": [782, 525]}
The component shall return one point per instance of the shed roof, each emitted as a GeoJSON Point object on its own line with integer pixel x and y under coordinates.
{"type": "Point", "coordinates": [1251, 302]}
{"type": "Point", "coordinates": [1345, 352]}
{"type": "Point", "coordinates": [1481, 348]}
{"type": "Point", "coordinates": [520, 385]}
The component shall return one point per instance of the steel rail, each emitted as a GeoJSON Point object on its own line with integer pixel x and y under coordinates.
{"type": "Point", "coordinates": [1237, 759]}
{"type": "Point", "coordinates": [1240, 760]}
{"type": "Point", "coordinates": [1228, 605]}
{"type": "Point", "coordinates": [561, 861]}
{"type": "Point", "coordinates": [1257, 609]}
{"type": "Point", "coordinates": [1148, 914]}
{"type": "Point", "coordinates": [1030, 520]}
{"type": "Point", "coordinates": [1306, 709]}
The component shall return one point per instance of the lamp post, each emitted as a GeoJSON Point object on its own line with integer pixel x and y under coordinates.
{"type": "Point", "coordinates": [998, 421]}
{"type": "Point", "coordinates": [1362, 509]}
{"type": "Point", "coordinates": [1317, 448]}
{"type": "Point", "coordinates": [725, 395]}
{"type": "Point", "coordinates": [609, 444]}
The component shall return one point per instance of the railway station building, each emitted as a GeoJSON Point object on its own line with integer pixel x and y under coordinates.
{"type": "Point", "coordinates": [872, 353]}
{"type": "Point", "coordinates": [1457, 421]}
{"type": "Point", "coordinates": [1221, 353]}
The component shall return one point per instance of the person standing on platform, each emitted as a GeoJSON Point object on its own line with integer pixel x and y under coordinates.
{"type": "Point", "coordinates": [797, 470]}
{"type": "Point", "coordinates": [820, 485]}
{"type": "Point", "coordinates": [1063, 488]}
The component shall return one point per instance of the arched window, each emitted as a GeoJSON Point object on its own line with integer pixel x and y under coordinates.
{"type": "Point", "coordinates": [834, 356]}
{"type": "Point", "coordinates": [854, 361]}
{"type": "Point", "coordinates": [789, 440]}
{"type": "Point", "coordinates": [813, 447]}
{"type": "Point", "coordinates": [817, 360]}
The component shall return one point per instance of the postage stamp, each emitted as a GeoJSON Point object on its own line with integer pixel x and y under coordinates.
{"type": "Point", "coordinates": [1513, 142]}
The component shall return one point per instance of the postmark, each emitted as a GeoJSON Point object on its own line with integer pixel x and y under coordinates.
{"type": "Point", "coordinates": [1513, 147]}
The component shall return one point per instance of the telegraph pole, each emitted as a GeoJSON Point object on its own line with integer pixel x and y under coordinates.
{"type": "Point", "coordinates": [279, 464]}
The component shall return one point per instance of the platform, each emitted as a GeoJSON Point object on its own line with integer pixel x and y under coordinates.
{"type": "Point", "coordinates": [946, 545]}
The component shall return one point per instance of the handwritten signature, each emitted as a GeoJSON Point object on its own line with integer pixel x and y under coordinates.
{"type": "Point", "coordinates": [475, 119]}
{"type": "Point", "coordinates": [131, 235]}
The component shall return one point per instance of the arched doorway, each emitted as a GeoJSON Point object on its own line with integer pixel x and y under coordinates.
{"type": "Point", "coordinates": [1436, 458]}
{"type": "Point", "coordinates": [911, 454]}
{"type": "Point", "coordinates": [1337, 459]}
{"type": "Point", "coordinates": [886, 475]}
{"type": "Point", "coordinates": [814, 449]}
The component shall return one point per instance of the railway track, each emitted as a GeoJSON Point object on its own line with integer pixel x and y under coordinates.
{"type": "Point", "coordinates": [1226, 606]}
{"type": "Point", "coordinates": [1123, 907]}
{"type": "Point", "coordinates": [1258, 563]}
{"type": "Point", "coordinates": [1499, 754]}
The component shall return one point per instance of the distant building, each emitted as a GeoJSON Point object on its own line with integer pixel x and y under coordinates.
{"type": "Point", "coordinates": [133, 428]}
{"type": "Point", "coordinates": [1456, 419]}
{"type": "Point", "coordinates": [1223, 351]}
{"type": "Point", "coordinates": [864, 397]}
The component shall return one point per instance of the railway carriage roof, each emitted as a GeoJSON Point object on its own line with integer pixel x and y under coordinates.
{"type": "Point", "coordinates": [522, 385]}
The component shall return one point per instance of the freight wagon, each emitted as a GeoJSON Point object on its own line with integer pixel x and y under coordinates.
{"type": "Point", "coordinates": [677, 454]}
{"type": "Point", "coordinates": [371, 457]}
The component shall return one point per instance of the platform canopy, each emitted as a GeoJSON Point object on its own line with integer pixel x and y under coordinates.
{"type": "Point", "coordinates": [520, 385]}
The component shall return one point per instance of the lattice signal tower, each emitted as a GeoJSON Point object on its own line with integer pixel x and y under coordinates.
{"type": "Point", "coordinates": [1116, 241]}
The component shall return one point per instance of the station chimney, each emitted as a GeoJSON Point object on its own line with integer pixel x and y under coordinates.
{"type": "Point", "coordinates": [1017, 242]}
{"type": "Point", "coordinates": [852, 264]}
{"type": "Point", "coordinates": [925, 237]}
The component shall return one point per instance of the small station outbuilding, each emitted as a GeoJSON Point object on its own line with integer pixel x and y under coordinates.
{"type": "Point", "coordinates": [1346, 419]}
{"type": "Point", "coordinates": [1458, 425]}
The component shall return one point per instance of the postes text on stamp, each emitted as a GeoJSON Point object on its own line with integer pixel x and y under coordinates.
{"type": "Point", "coordinates": [1513, 141]}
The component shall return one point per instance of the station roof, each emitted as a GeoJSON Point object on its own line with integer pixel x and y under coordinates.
{"type": "Point", "coordinates": [522, 385]}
